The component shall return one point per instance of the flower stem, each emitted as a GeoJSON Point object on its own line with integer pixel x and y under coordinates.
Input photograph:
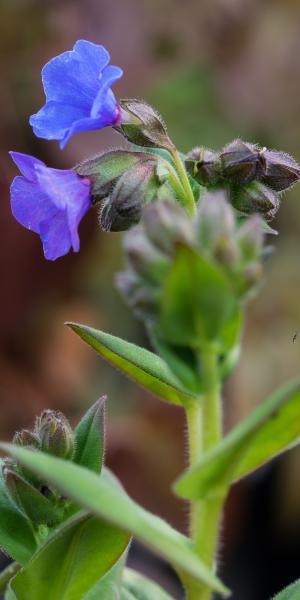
{"type": "Point", "coordinates": [189, 196]}
{"type": "Point", "coordinates": [204, 431]}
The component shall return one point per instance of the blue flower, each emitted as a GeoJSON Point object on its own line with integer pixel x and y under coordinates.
{"type": "Point", "coordinates": [78, 95]}
{"type": "Point", "coordinates": [50, 202]}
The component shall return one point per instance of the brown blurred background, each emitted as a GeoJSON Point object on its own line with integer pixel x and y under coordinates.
{"type": "Point", "coordinates": [215, 69]}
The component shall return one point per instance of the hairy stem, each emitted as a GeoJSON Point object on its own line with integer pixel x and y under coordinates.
{"type": "Point", "coordinates": [204, 431]}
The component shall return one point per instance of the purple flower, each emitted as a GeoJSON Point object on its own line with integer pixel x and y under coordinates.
{"type": "Point", "coordinates": [78, 95]}
{"type": "Point", "coordinates": [50, 202]}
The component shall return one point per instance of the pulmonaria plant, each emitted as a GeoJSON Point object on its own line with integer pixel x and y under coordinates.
{"type": "Point", "coordinates": [195, 254]}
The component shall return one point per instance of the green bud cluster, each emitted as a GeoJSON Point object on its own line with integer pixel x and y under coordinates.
{"type": "Point", "coordinates": [254, 177]}
{"type": "Point", "coordinates": [214, 234]}
{"type": "Point", "coordinates": [52, 434]}
{"type": "Point", "coordinates": [123, 182]}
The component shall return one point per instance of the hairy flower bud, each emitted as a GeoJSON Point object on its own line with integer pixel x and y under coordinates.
{"type": "Point", "coordinates": [142, 125]}
{"type": "Point", "coordinates": [26, 438]}
{"type": "Point", "coordinates": [215, 226]}
{"type": "Point", "coordinates": [137, 187]}
{"type": "Point", "coordinates": [255, 197]}
{"type": "Point", "coordinates": [204, 166]}
{"type": "Point", "coordinates": [280, 171]}
{"type": "Point", "coordinates": [239, 161]}
{"type": "Point", "coordinates": [250, 238]}
{"type": "Point", "coordinates": [148, 262]}
{"type": "Point", "coordinates": [167, 224]}
{"type": "Point", "coordinates": [55, 433]}
{"type": "Point", "coordinates": [105, 170]}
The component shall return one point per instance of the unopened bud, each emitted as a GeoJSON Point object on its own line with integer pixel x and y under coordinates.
{"type": "Point", "coordinates": [142, 125]}
{"type": "Point", "coordinates": [55, 434]}
{"type": "Point", "coordinates": [167, 224]}
{"type": "Point", "coordinates": [239, 162]}
{"type": "Point", "coordinates": [255, 197]}
{"type": "Point", "coordinates": [215, 226]}
{"type": "Point", "coordinates": [280, 171]}
{"type": "Point", "coordinates": [250, 238]}
{"type": "Point", "coordinates": [26, 438]}
{"type": "Point", "coordinates": [142, 298]}
{"type": "Point", "coordinates": [105, 170]}
{"type": "Point", "coordinates": [138, 186]}
{"type": "Point", "coordinates": [204, 165]}
{"type": "Point", "coordinates": [148, 262]}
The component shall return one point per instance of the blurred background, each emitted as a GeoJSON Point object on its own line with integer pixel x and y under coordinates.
{"type": "Point", "coordinates": [215, 69]}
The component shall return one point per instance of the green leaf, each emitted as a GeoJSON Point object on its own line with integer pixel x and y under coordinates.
{"type": "Point", "coordinates": [271, 428]}
{"type": "Point", "coordinates": [292, 592]}
{"type": "Point", "coordinates": [109, 586]}
{"type": "Point", "coordinates": [103, 499]}
{"type": "Point", "coordinates": [72, 560]}
{"type": "Point", "coordinates": [38, 508]}
{"type": "Point", "coordinates": [16, 533]}
{"type": "Point", "coordinates": [143, 366]}
{"type": "Point", "coordinates": [197, 301]}
{"type": "Point", "coordinates": [141, 588]}
{"type": "Point", "coordinates": [89, 435]}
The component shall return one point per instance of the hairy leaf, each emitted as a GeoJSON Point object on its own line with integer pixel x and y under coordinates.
{"type": "Point", "coordinates": [16, 533]}
{"type": "Point", "coordinates": [103, 499]}
{"type": "Point", "coordinates": [89, 437]}
{"type": "Point", "coordinates": [143, 366]}
{"type": "Point", "coordinates": [271, 428]}
{"type": "Point", "coordinates": [72, 560]}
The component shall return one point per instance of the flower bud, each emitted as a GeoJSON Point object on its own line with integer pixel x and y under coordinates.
{"type": "Point", "coordinates": [147, 262]}
{"type": "Point", "coordinates": [280, 171]}
{"type": "Point", "coordinates": [204, 166]}
{"type": "Point", "coordinates": [215, 226]}
{"type": "Point", "coordinates": [26, 438]}
{"type": "Point", "coordinates": [255, 197]}
{"type": "Point", "coordinates": [144, 299]}
{"type": "Point", "coordinates": [250, 238]}
{"type": "Point", "coordinates": [55, 434]}
{"type": "Point", "coordinates": [137, 186]}
{"type": "Point", "coordinates": [105, 170]}
{"type": "Point", "coordinates": [142, 125]}
{"type": "Point", "coordinates": [239, 162]}
{"type": "Point", "coordinates": [167, 224]}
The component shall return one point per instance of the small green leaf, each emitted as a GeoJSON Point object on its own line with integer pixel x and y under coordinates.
{"type": "Point", "coordinates": [292, 592]}
{"type": "Point", "coordinates": [274, 426]}
{"type": "Point", "coordinates": [71, 561]}
{"type": "Point", "coordinates": [197, 301]}
{"type": "Point", "coordinates": [142, 588]}
{"type": "Point", "coordinates": [16, 533]}
{"type": "Point", "coordinates": [89, 436]}
{"type": "Point", "coordinates": [30, 501]}
{"type": "Point", "coordinates": [105, 500]}
{"type": "Point", "coordinates": [143, 366]}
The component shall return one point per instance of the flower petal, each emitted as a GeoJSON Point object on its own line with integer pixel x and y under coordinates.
{"type": "Point", "coordinates": [55, 235]}
{"type": "Point", "coordinates": [26, 164]}
{"type": "Point", "coordinates": [105, 104]}
{"type": "Point", "coordinates": [54, 120]}
{"type": "Point", "coordinates": [29, 204]}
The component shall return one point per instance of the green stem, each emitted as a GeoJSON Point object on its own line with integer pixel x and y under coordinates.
{"type": "Point", "coordinates": [204, 431]}
{"type": "Point", "coordinates": [7, 574]}
{"type": "Point", "coordinates": [189, 196]}
{"type": "Point", "coordinates": [176, 184]}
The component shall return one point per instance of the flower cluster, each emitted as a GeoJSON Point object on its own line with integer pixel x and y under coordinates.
{"type": "Point", "coordinates": [79, 98]}
{"type": "Point", "coordinates": [121, 183]}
